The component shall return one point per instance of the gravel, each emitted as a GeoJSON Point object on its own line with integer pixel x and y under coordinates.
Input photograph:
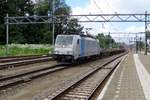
{"type": "Point", "coordinates": [49, 82]}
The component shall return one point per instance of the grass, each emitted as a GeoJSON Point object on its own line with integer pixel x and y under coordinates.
{"type": "Point", "coordinates": [2, 51]}
{"type": "Point", "coordinates": [25, 49]}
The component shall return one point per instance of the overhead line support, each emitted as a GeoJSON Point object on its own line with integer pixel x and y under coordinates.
{"type": "Point", "coordinates": [56, 19]}
{"type": "Point", "coordinates": [146, 30]}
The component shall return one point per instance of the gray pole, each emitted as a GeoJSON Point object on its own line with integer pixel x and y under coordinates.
{"type": "Point", "coordinates": [109, 41]}
{"type": "Point", "coordinates": [53, 37]}
{"type": "Point", "coordinates": [7, 34]}
{"type": "Point", "coordinates": [136, 43]}
{"type": "Point", "coordinates": [146, 33]}
{"type": "Point", "coordinates": [140, 44]}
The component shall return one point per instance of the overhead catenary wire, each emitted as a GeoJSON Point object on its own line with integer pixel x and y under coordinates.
{"type": "Point", "coordinates": [97, 6]}
{"type": "Point", "coordinates": [100, 9]}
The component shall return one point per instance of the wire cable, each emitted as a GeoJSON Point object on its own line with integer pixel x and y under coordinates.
{"type": "Point", "coordinates": [111, 25]}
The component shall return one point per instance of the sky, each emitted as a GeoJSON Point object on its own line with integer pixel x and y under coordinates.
{"type": "Point", "coordinates": [111, 6]}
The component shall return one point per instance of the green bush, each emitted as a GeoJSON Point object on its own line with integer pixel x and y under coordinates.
{"type": "Point", "coordinates": [26, 49]}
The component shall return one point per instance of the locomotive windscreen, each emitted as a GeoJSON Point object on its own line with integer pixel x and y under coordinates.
{"type": "Point", "coordinates": [64, 40]}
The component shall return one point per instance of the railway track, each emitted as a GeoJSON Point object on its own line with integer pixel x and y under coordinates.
{"type": "Point", "coordinates": [17, 58]}
{"type": "Point", "coordinates": [8, 81]}
{"type": "Point", "coordinates": [25, 61]}
{"type": "Point", "coordinates": [7, 57]}
{"type": "Point", "coordinates": [84, 86]}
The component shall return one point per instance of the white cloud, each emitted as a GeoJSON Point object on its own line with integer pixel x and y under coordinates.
{"type": "Point", "coordinates": [135, 29]}
{"type": "Point", "coordinates": [134, 6]}
{"type": "Point", "coordinates": [112, 6]}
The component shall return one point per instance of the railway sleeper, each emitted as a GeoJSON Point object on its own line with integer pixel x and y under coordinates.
{"type": "Point", "coordinates": [79, 93]}
{"type": "Point", "coordinates": [82, 91]}
{"type": "Point", "coordinates": [77, 97]}
{"type": "Point", "coordinates": [66, 98]}
{"type": "Point", "coordinates": [27, 79]}
{"type": "Point", "coordinates": [107, 68]}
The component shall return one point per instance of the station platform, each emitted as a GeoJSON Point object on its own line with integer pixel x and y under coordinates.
{"type": "Point", "coordinates": [130, 81]}
{"type": "Point", "coordinates": [145, 59]}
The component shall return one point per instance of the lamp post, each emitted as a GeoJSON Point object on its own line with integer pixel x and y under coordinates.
{"type": "Point", "coordinates": [53, 11]}
{"type": "Point", "coordinates": [7, 32]}
{"type": "Point", "coordinates": [7, 35]}
{"type": "Point", "coordinates": [146, 30]}
{"type": "Point", "coordinates": [51, 14]}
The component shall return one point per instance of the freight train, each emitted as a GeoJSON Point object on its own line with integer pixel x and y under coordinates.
{"type": "Point", "coordinates": [74, 48]}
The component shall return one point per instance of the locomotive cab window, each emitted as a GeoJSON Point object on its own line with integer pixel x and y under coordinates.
{"type": "Point", "coordinates": [78, 41]}
{"type": "Point", "coordinates": [64, 40]}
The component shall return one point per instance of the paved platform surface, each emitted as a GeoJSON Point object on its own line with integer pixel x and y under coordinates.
{"type": "Point", "coordinates": [125, 84]}
{"type": "Point", "coordinates": [145, 59]}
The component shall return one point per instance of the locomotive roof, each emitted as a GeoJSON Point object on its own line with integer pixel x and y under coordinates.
{"type": "Point", "coordinates": [88, 36]}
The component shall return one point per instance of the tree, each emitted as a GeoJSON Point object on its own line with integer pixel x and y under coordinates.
{"type": "Point", "coordinates": [106, 41]}
{"type": "Point", "coordinates": [101, 39]}
{"type": "Point", "coordinates": [14, 8]}
{"type": "Point", "coordinates": [72, 27]}
{"type": "Point", "coordinates": [20, 7]}
{"type": "Point", "coordinates": [42, 7]}
{"type": "Point", "coordinates": [148, 35]}
{"type": "Point", "coordinates": [3, 11]}
{"type": "Point", "coordinates": [39, 33]}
